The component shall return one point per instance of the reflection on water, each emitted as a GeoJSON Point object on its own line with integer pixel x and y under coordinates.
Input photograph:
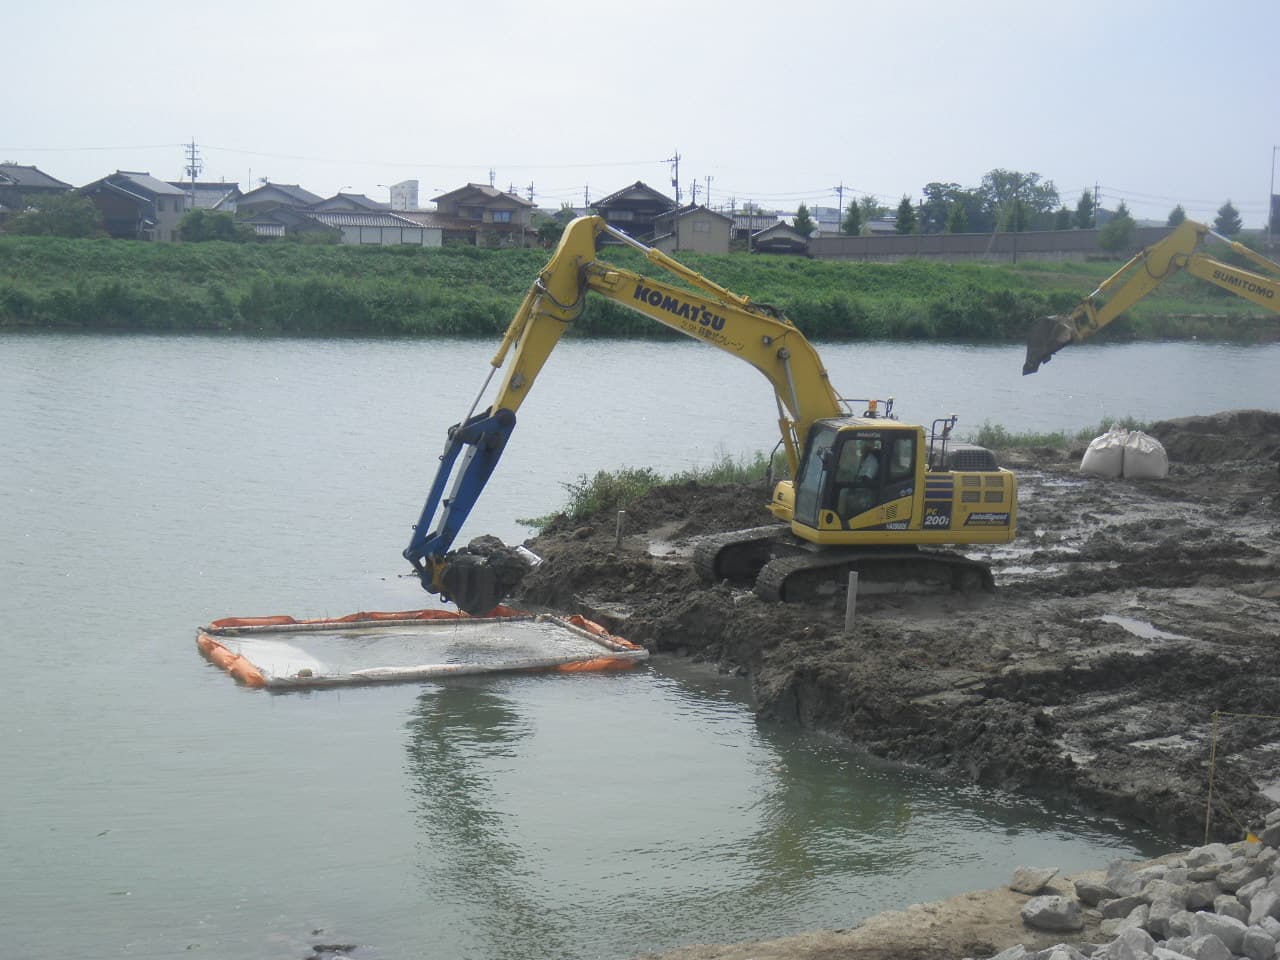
{"type": "Point", "coordinates": [608, 815]}
{"type": "Point", "coordinates": [461, 735]}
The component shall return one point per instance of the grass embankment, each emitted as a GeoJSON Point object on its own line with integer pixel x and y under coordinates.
{"type": "Point", "coordinates": [302, 290]}
{"type": "Point", "coordinates": [611, 490]}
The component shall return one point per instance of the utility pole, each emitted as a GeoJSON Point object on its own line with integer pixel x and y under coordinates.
{"type": "Point", "coordinates": [530, 189]}
{"type": "Point", "coordinates": [708, 200]}
{"type": "Point", "coordinates": [839, 188]}
{"type": "Point", "coordinates": [1095, 204]}
{"type": "Point", "coordinates": [194, 166]}
{"type": "Point", "coordinates": [493, 175]}
{"type": "Point", "coordinates": [693, 190]}
{"type": "Point", "coordinates": [586, 197]}
{"type": "Point", "coordinates": [675, 174]}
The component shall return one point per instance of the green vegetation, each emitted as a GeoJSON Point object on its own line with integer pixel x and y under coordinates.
{"type": "Point", "coordinates": [458, 291]}
{"type": "Point", "coordinates": [611, 490]}
{"type": "Point", "coordinates": [996, 437]}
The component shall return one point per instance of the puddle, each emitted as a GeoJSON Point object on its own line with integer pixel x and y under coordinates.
{"type": "Point", "coordinates": [1140, 628]}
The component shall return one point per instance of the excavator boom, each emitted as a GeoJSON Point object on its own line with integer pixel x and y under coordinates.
{"type": "Point", "coordinates": [1141, 275]}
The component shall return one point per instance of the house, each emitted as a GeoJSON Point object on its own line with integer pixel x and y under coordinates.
{"type": "Point", "coordinates": [281, 221]}
{"type": "Point", "coordinates": [494, 218]}
{"type": "Point", "coordinates": [22, 186]}
{"type": "Point", "coordinates": [779, 238]}
{"type": "Point", "coordinates": [138, 206]}
{"type": "Point", "coordinates": [634, 210]}
{"type": "Point", "coordinates": [271, 195]}
{"type": "Point", "coordinates": [452, 230]}
{"type": "Point", "coordinates": [220, 197]}
{"type": "Point", "coordinates": [358, 227]}
{"type": "Point", "coordinates": [348, 203]}
{"type": "Point", "coordinates": [695, 228]}
{"type": "Point", "coordinates": [378, 228]}
{"type": "Point", "coordinates": [747, 224]}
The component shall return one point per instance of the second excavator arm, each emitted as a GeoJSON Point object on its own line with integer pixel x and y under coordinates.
{"type": "Point", "coordinates": [1141, 275]}
{"type": "Point", "coordinates": [756, 333]}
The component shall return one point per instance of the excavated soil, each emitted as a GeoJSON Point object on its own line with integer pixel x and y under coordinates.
{"type": "Point", "coordinates": [1124, 616]}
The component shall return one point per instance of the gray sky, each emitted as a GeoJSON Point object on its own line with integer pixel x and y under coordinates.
{"type": "Point", "coordinates": [778, 103]}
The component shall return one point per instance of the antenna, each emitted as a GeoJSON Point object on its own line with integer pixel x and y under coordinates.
{"type": "Point", "coordinates": [493, 175]}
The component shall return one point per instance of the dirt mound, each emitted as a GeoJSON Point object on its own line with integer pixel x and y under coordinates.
{"type": "Point", "coordinates": [1249, 435]}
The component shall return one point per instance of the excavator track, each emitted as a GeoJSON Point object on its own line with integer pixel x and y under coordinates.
{"type": "Point", "coordinates": [738, 555]}
{"type": "Point", "coordinates": [808, 576]}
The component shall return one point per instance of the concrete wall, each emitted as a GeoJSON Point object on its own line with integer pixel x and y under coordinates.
{"type": "Point", "coordinates": [1003, 247]}
{"type": "Point", "coordinates": [393, 236]}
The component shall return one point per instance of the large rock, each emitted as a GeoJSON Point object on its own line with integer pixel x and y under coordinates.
{"type": "Point", "coordinates": [1200, 896]}
{"type": "Point", "coordinates": [1258, 945]}
{"type": "Point", "coordinates": [1213, 853]}
{"type": "Point", "coordinates": [1240, 873]}
{"type": "Point", "coordinates": [1121, 879]}
{"type": "Point", "coordinates": [1228, 906]}
{"type": "Point", "coordinates": [1266, 903]}
{"type": "Point", "coordinates": [1207, 947]}
{"type": "Point", "coordinates": [1091, 892]}
{"type": "Point", "coordinates": [1227, 929]}
{"type": "Point", "coordinates": [1120, 906]}
{"type": "Point", "coordinates": [1031, 880]}
{"type": "Point", "coordinates": [1165, 890]}
{"type": "Point", "coordinates": [1052, 913]}
{"type": "Point", "coordinates": [1161, 914]}
{"type": "Point", "coordinates": [1132, 944]}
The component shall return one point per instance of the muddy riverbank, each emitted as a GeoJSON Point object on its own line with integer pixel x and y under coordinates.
{"type": "Point", "coordinates": [1126, 614]}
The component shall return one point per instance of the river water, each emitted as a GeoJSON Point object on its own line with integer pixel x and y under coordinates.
{"type": "Point", "coordinates": [151, 807]}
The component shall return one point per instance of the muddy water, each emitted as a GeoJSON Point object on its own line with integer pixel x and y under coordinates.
{"type": "Point", "coordinates": [151, 807]}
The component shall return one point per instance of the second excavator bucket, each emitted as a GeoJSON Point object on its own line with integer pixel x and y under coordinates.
{"type": "Point", "coordinates": [1046, 337]}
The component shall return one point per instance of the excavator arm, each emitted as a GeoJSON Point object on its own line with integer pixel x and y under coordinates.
{"type": "Point", "coordinates": [756, 333]}
{"type": "Point", "coordinates": [1141, 275]}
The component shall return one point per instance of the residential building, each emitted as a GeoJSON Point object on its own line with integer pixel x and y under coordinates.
{"type": "Point", "coordinates": [220, 197]}
{"type": "Point", "coordinates": [348, 203]}
{"type": "Point", "coordinates": [779, 238]}
{"type": "Point", "coordinates": [22, 186]}
{"type": "Point", "coordinates": [358, 227]}
{"type": "Point", "coordinates": [747, 224]}
{"type": "Point", "coordinates": [271, 195]}
{"type": "Point", "coordinates": [635, 209]}
{"type": "Point", "coordinates": [693, 228]}
{"type": "Point", "coordinates": [494, 218]}
{"type": "Point", "coordinates": [138, 206]}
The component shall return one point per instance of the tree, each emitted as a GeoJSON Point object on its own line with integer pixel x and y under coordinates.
{"type": "Point", "coordinates": [852, 223]}
{"type": "Point", "coordinates": [1083, 219]}
{"type": "Point", "coordinates": [1000, 188]}
{"type": "Point", "coordinates": [1228, 222]}
{"type": "Point", "coordinates": [871, 209]}
{"type": "Point", "coordinates": [906, 221]}
{"type": "Point", "coordinates": [1176, 216]}
{"type": "Point", "coordinates": [1062, 219]}
{"type": "Point", "coordinates": [957, 219]}
{"type": "Point", "coordinates": [803, 223]}
{"type": "Point", "coordinates": [59, 215]}
{"type": "Point", "coordinates": [199, 226]}
{"type": "Point", "coordinates": [1016, 216]}
{"type": "Point", "coordinates": [1118, 233]}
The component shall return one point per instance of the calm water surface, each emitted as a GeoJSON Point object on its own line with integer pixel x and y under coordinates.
{"type": "Point", "coordinates": [148, 485]}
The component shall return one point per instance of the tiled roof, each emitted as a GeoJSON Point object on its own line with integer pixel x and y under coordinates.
{"type": "Point", "coordinates": [16, 174]}
{"type": "Point", "coordinates": [344, 218]}
{"type": "Point", "coordinates": [147, 182]}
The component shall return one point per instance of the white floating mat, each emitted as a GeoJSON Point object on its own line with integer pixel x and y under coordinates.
{"type": "Point", "coordinates": [282, 652]}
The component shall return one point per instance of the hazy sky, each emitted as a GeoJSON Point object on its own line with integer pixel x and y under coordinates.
{"type": "Point", "coordinates": [778, 103]}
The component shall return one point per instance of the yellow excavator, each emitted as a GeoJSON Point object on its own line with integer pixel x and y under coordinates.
{"type": "Point", "coordinates": [868, 491]}
{"type": "Point", "coordinates": [1178, 251]}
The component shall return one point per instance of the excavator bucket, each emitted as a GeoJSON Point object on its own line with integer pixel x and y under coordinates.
{"type": "Point", "coordinates": [1047, 336]}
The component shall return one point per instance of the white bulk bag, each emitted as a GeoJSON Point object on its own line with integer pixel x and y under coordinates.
{"type": "Point", "coordinates": [1144, 457]}
{"type": "Point", "coordinates": [1105, 456]}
